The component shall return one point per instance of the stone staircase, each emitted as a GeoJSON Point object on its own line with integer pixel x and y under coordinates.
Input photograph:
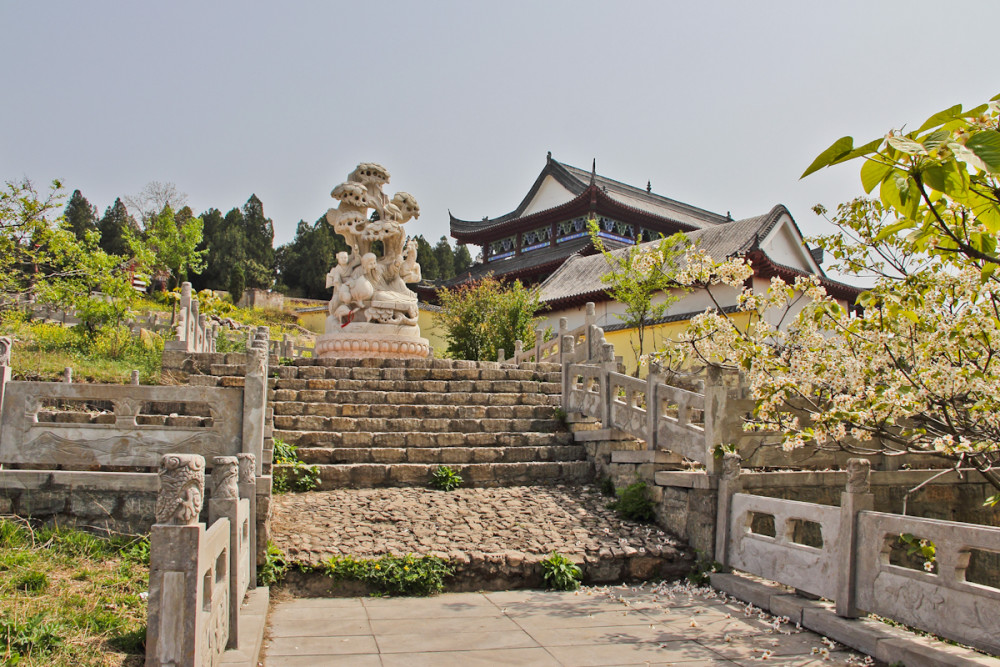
{"type": "Point", "coordinates": [392, 423]}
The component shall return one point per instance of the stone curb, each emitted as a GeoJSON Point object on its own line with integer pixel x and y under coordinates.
{"type": "Point", "coordinates": [253, 620]}
{"type": "Point", "coordinates": [883, 642]}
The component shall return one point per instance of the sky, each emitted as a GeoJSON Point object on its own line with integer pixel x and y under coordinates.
{"type": "Point", "coordinates": [721, 105]}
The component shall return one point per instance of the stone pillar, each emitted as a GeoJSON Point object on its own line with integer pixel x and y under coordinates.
{"type": "Point", "coordinates": [729, 485]}
{"type": "Point", "coordinates": [855, 499]}
{"type": "Point", "coordinates": [254, 404]}
{"type": "Point", "coordinates": [606, 362]}
{"type": "Point", "coordinates": [518, 351]}
{"type": "Point", "coordinates": [715, 416]}
{"type": "Point", "coordinates": [202, 345]}
{"type": "Point", "coordinates": [653, 380]}
{"type": "Point", "coordinates": [184, 320]}
{"type": "Point", "coordinates": [248, 491]}
{"type": "Point", "coordinates": [566, 345]}
{"type": "Point", "coordinates": [6, 343]}
{"type": "Point", "coordinates": [193, 323]}
{"type": "Point", "coordinates": [589, 320]}
{"type": "Point", "coordinates": [135, 377]}
{"type": "Point", "coordinates": [563, 330]}
{"type": "Point", "coordinates": [288, 347]}
{"type": "Point", "coordinates": [538, 346]}
{"type": "Point", "coordinates": [175, 587]}
{"type": "Point", "coordinates": [68, 375]}
{"type": "Point", "coordinates": [500, 357]}
{"type": "Point", "coordinates": [225, 504]}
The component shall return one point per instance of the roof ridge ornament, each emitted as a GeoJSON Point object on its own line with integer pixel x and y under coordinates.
{"type": "Point", "coordinates": [593, 172]}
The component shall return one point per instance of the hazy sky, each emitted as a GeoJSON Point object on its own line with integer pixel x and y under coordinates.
{"type": "Point", "coordinates": [719, 104]}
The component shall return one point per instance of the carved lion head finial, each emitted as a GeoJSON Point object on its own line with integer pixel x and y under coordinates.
{"type": "Point", "coordinates": [182, 489]}
{"type": "Point", "coordinates": [225, 478]}
{"type": "Point", "coordinates": [248, 468]}
{"type": "Point", "coordinates": [731, 465]}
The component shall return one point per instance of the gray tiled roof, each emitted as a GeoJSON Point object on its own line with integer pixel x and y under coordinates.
{"type": "Point", "coordinates": [582, 275]}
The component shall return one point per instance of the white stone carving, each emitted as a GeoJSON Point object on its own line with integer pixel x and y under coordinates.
{"type": "Point", "coordinates": [5, 344]}
{"type": "Point", "coordinates": [225, 478]}
{"type": "Point", "coordinates": [182, 489]}
{"type": "Point", "coordinates": [372, 312]}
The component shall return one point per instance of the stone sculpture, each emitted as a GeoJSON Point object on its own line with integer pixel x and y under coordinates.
{"type": "Point", "coordinates": [858, 475]}
{"type": "Point", "coordinates": [182, 489]}
{"type": "Point", "coordinates": [5, 344]}
{"type": "Point", "coordinates": [372, 313]}
{"type": "Point", "coordinates": [225, 478]}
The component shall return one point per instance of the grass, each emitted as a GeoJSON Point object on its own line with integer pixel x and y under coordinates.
{"type": "Point", "coordinates": [71, 598]}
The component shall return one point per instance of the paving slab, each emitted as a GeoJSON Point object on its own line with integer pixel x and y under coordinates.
{"type": "Point", "coordinates": [615, 625]}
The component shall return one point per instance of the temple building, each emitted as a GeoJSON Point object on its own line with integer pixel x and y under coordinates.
{"type": "Point", "coordinates": [545, 241]}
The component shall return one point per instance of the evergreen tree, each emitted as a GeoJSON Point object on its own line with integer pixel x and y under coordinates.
{"type": "Point", "coordinates": [445, 259]}
{"type": "Point", "coordinates": [426, 259]}
{"type": "Point", "coordinates": [80, 215]}
{"type": "Point", "coordinates": [258, 232]}
{"type": "Point", "coordinates": [115, 227]}
{"type": "Point", "coordinates": [237, 283]}
{"type": "Point", "coordinates": [463, 260]}
{"type": "Point", "coordinates": [211, 229]}
{"type": "Point", "coordinates": [304, 262]}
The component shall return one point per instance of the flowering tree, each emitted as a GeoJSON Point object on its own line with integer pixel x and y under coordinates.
{"type": "Point", "coordinates": [917, 369]}
{"type": "Point", "coordinates": [642, 279]}
{"type": "Point", "coordinates": [482, 317]}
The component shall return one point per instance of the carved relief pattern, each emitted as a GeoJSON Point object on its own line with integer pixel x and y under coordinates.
{"type": "Point", "coordinates": [248, 468]}
{"type": "Point", "coordinates": [5, 344]}
{"type": "Point", "coordinates": [182, 489]}
{"type": "Point", "coordinates": [858, 475]}
{"type": "Point", "coordinates": [731, 465]}
{"type": "Point", "coordinates": [225, 477]}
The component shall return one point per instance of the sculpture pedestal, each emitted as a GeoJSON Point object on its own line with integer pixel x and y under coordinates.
{"type": "Point", "coordinates": [371, 340]}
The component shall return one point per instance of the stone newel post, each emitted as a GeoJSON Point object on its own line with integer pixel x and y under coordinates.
{"type": "Point", "coordinates": [729, 485]}
{"type": "Point", "coordinates": [225, 504]}
{"type": "Point", "coordinates": [248, 491]}
{"type": "Point", "coordinates": [6, 343]}
{"type": "Point", "coordinates": [856, 498]}
{"type": "Point", "coordinates": [175, 588]}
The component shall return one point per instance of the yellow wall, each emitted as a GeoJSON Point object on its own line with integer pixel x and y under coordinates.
{"type": "Point", "coordinates": [653, 339]}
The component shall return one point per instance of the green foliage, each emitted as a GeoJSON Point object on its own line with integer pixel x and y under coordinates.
{"type": "Point", "coordinates": [485, 316]}
{"type": "Point", "coordinates": [274, 568]}
{"type": "Point", "coordinates": [244, 238]}
{"type": "Point", "coordinates": [560, 573]}
{"type": "Point", "coordinates": [393, 575]}
{"type": "Point", "coordinates": [920, 548]}
{"type": "Point", "coordinates": [639, 274]}
{"type": "Point", "coordinates": [116, 228]}
{"type": "Point", "coordinates": [634, 504]}
{"type": "Point", "coordinates": [33, 637]}
{"type": "Point", "coordinates": [427, 259]}
{"type": "Point", "coordinates": [304, 262]}
{"type": "Point", "coordinates": [31, 582]}
{"type": "Point", "coordinates": [445, 257]}
{"type": "Point", "coordinates": [608, 487]}
{"type": "Point", "coordinates": [702, 570]}
{"type": "Point", "coordinates": [445, 479]}
{"type": "Point", "coordinates": [237, 284]}
{"type": "Point", "coordinates": [463, 260]}
{"type": "Point", "coordinates": [293, 475]}
{"type": "Point", "coordinates": [174, 240]}
{"type": "Point", "coordinates": [80, 216]}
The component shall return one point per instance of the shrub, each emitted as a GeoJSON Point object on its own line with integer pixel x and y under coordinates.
{"type": "Point", "coordinates": [482, 317]}
{"type": "Point", "coordinates": [445, 479]}
{"type": "Point", "coordinates": [294, 474]}
{"type": "Point", "coordinates": [560, 573]}
{"type": "Point", "coordinates": [393, 575]}
{"type": "Point", "coordinates": [634, 503]}
{"type": "Point", "coordinates": [274, 568]}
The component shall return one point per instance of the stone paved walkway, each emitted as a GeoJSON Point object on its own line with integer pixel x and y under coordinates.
{"type": "Point", "coordinates": [667, 624]}
{"type": "Point", "coordinates": [523, 522]}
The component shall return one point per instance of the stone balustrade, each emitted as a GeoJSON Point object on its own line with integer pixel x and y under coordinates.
{"type": "Point", "coordinates": [855, 557]}
{"type": "Point", "coordinates": [199, 574]}
{"type": "Point", "coordinates": [194, 332]}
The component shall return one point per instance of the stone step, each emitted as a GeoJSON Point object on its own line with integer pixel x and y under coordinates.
{"type": "Point", "coordinates": [545, 367]}
{"type": "Point", "coordinates": [426, 411]}
{"type": "Point", "coordinates": [439, 386]}
{"type": "Point", "coordinates": [442, 455]}
{"type": "Point", "coordinates": [412, 397]}
{"type": "Point", "coordinates": [413, 374]}
{"type": "Point", "coordinates": [422, 439]}
{"type": "Point", "coordinates": [495, 538]}
{"type": "Point", "coordinates": [478, 475]}
{"type": "Point", "coordinates": [413, 424]}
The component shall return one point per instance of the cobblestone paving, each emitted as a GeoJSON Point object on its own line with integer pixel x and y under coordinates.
{"type": "Point", "coordinates": [663, 624]}
{"type": "Point", "coordinates": [528, 522]}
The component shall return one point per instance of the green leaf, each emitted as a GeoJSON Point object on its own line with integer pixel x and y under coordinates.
{"type": "Point", "coordinates": [891, 230]}
{"type": "Point", "coordinates": [947, 178]}
{"type": "Point", "coordinates": [838, 149]}
{"type": "Point", "coordinates": [935, 139]}
{"type": "Point", "coordinates": [860, 151]}
{"type": "Point", "coordinates": [966, 155]}
{"type": "Point", "coordinates": [941, 117]}
{"type": "Point", "coordinates": [986, 146]}
{"type": "Point", "coordinates": [906, 145]}
{"type": "Point", "coordinates": [872, 174]}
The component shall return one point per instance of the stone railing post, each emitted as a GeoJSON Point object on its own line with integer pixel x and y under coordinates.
{"type": "Point", "coordinates": [566, 345]}
{"type": "Point", "coordinates": [608, 364]}
{"type": "Point", "coordinates": [563, 330]}
{"type": "Point", "coordinates": [225, 504]}
{"type": "Point", "coordinates": [248, 490]}
{"type": "Point", "coordinates": [589, 320]}
{"type": "Point", "coordinates": [857, 497]}
{"type": "Point", "coordinates": [715, 416]}
{"type": "Point", "coordinates": [68, 375]}
{"type": "Point", "coordinates": [184, 317]}
{"type": "Point", "coordinates": [193, 317]}
{"type": "Point", "coordinates": [135, 378]}
{"type": "Point", "coordinates": [500, 353]}
{"type": "Point", "coordinates": [255, 404]}
{"type": "Point", "coordinates": [729, 485]}
{"type": "Point", "coordinates": [6, 344]}
{"type": "Point", "coordinates": [653, 381]}
{"type": "Point", "coordinates": [200, 344]}
{"type": "Point", "coordinates": [518, 350]}
{"type": "Point", "coordinates": [175, 588]}
{"type": "Point", "coordinates": [538, 346]}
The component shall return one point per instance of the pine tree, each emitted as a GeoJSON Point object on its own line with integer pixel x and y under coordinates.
{"type": "Point", "coordinates": [115, 227]}
{"type": "Point", "coordinates": [304, 262]}
{"type": "Point", "coordinates": [259, 244]}
{"type": "Point", "coordinates": [426, 259]}
{"type": "Point", "coordinates": [463, 260]}
{"type": "Point", "coordinates": [80, 215]}
{"type": "Point", "coordinates": [445, 259]}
